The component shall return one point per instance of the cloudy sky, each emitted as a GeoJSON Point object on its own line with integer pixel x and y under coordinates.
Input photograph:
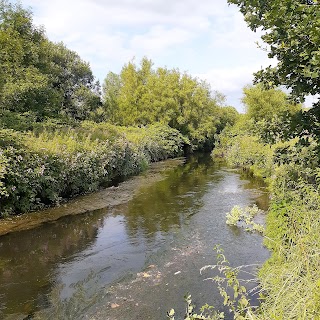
{"type": "Point", "coordinates": [206, 38]}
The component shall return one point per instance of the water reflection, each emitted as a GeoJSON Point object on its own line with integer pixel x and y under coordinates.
{"type": "Point", "coordinates": [108, 244]}
{"type": "Point", "coordinates": [28, 259]}
{"type": "Point", "coordinates": [262, 200]}
{"type": "Point", "coordinates": [169, 202]}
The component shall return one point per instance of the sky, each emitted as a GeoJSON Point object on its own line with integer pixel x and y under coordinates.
{"type": "Point", "coordinates": [205, 38]}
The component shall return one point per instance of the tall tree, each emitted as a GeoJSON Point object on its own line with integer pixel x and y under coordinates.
{"type": "Point", "coordinates": [21, 81]}
{"type": "Point", "coordinates": [270, 114]}
{"type": "Point", "coordinates": [141, 95]}
{"type": "Point", "coordinates": [38, 75]}
{"type": "Point", "coordinates": [72, 79]}
{"type": "Point", "coordinates": [128, 99]}
{"type": "Point", "coordinates": [227, 117]}
{"type": "Point", "coordinates": [110, 91]}
{"type": "Point", "coordinates": [266, 105]}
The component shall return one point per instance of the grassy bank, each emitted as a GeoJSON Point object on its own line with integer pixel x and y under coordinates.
{"type": "Point", "coordinates": [54, 162]}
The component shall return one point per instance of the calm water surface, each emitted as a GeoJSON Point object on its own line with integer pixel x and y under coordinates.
{"type": "Point", "coordinates": [136, 260]}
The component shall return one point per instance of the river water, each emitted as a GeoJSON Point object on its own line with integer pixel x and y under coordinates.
{"type": "Point", "coordinates": [135, 259]}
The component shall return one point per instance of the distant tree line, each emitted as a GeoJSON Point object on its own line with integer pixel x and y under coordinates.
{"type": "Point", "coordinates": [41, 79]}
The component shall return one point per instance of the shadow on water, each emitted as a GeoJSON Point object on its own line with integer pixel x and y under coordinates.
{"type": "Point", "coordinates": [28, 259]}
{"type": "Point", "coordinates": [171, 224]}
{"type": "Point", "coordinates": [258, 186]}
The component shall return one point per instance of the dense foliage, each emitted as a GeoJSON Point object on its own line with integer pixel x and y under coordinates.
{"type": "Point", "coordinates": [38, 76]}
{"type": "Point", "coordinates": [291, 31]}
{"type": "Point", "coordinates": [140, 95]}
{"type": "Point", "coordinates": [40, 168]}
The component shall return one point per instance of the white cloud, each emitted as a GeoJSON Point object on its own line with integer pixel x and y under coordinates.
{"type": "Point", "coordinates": [159, 39]}
{"type": "Point", "coordinates": [310, 100]}
{"type": "Point", "coordinates": [230, 82]}
{"type": "Point", "coordinates": [232, 32]}
{"type": "Point", "coordinates": [126, 26]}
{"type": "Point", "coordinates": [227, 80]}
{"type": "Point", "coordinates": [59, 16]}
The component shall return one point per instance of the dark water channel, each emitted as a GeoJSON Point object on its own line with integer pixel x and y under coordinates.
{"type": "Point", "coordinates": [135, 260]}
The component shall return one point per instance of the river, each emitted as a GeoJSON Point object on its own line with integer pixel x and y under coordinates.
{"type": "Point", "coordinates": [135, 258]}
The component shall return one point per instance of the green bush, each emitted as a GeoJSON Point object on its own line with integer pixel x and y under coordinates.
{"type": "Point", "coordinates": [291, 277]}
{"type": "Point", "coordinates": [42, 167]}
{"type": "Point", "coordinates": [247, 152]}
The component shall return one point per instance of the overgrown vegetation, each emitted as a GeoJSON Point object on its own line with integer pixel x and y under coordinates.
{"type": "Point", "coordinates": [44, 166]}
{"type": "Point", "coordinates": [231, 288]}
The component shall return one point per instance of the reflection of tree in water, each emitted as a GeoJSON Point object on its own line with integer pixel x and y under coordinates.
{"type": "Point", "coordinates": [253, 183]}
{"type": "Point", "coordinates": [28, 258]}
{"type": "Point", "coordinates": [171, 201]}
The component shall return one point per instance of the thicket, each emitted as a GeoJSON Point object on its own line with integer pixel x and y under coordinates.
{"type": "Point", "coordinates": [44, 166]}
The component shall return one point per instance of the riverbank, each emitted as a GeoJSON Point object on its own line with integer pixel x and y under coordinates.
{"type": "Point", "coordinates": [51, 163]}
{"type": "Point", "coordinates": [290, 278]}
{"type": "Point", "coordinates": [104, 198]}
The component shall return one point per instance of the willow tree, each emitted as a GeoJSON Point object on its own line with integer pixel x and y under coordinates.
{"type": "Point", "coordinates": [141, 95]}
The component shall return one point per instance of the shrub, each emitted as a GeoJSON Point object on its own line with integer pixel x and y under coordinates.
{"type": "Point", "coordinates": [42, 167]}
